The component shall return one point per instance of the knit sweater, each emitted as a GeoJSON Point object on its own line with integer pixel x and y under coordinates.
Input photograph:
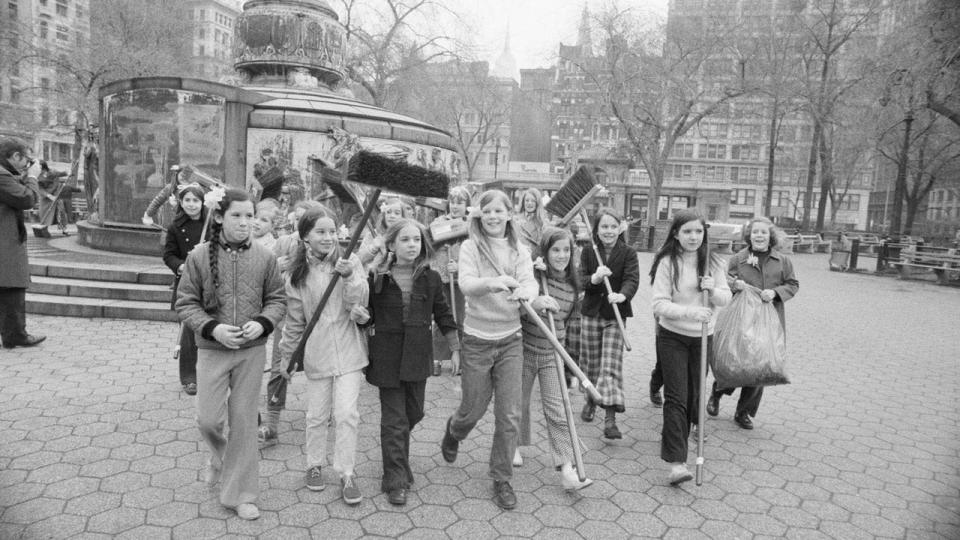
{"type": "Point", "coordinates": [565, 295]}
{"type": "Point", "coordinates": [674, 307]}
{"type": "Point", "coordinates": [492, 315]}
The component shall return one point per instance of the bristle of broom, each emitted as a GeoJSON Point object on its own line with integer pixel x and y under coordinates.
{"type": "Point", "coordinates": [401, 177]}
{"type": "Point", "coordinates": [573, 190]}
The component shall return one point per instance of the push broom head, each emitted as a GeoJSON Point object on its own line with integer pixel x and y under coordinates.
{"type": "Point", "coordinates": [574, 194]}
{"type": "Point", "coordinates": [398, 176]}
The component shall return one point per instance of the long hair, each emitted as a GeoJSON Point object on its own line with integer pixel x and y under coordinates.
{"type": "Point", "coordinates": [420, 263]}
{"type": "Point", "coordinates": [606, 211]}
{"type": "Point", "coordinates": [216, 229]}
{"type": "Point", "coordinates": [775, 239]}
{"type": "Point", "coordinates": [405, 213]}
{"type": "Point", "coordinates": [552, 235]}
{"type": "Point", "coordinates": [479, 236]}
{"type": "Point", "coordinates": [300, 267]}
{"type": "Point", "coordinates": [539, 214]}
{"type": "Point", "coordinates": [196, 191]}
{"type": "Point", "coordinates": [459, 194]}
{"type": "Point", "coordinates": [672, 249]}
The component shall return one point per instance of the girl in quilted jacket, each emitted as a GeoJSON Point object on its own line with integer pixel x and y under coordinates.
{"type": "Point", "coordinates": [335, 353]}
{"type": "Point", "coordinates": [231, 296]}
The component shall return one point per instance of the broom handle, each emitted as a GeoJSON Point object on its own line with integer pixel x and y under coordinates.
{"type": "Point", "coordinates": [606, 282]}
{"type": "Point", "coordinates": [297, 356]}
{"type": "Point", "coordinates": [702, 383]}
{"type": "Point", "coordinates": [453, 290]}
{"type": "Point", "coordinates": [560, 351]}
{"type": "Point", "coordinates": [567, 409]}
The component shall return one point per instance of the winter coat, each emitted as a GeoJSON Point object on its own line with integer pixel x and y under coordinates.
{"type": "Point", "coordinates": [250, 290]}
{"type": "Point", "coordinates": [622, 261]}
{"type": "Point", "coordinates": [777, 274]}
{"type": "Point", "coordinates": [17, 194]}
{"type": "Point", "coordinates": [182, 236]}
{"type": "Point", "coordinates": [401, 349]}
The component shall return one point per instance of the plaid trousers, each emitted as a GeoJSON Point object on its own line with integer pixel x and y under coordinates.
{"type": "Point", "coordinates": [601, 359]}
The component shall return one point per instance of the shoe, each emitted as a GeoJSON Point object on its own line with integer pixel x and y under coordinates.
{"type": "Point", "coordinates": [449, 446]}
{"type": "Point", "coordinates": [517, 458]}
{"type": "Point", "coordinates": [190, 389]}
{"type": "Point", "coordinates": [504, 495]}
{"type": "Point", "coordinates": [569, 479]}
{"type": "Point", "coordinates": [611, 431]}
{"type": "Point", "coordinates": [29, 341]}
{"type": "Point", "coordinates": [314, 479]}
{"type": "Point", "coordinates": [248, 511]}
{"type": "Point", "coordinates": [267, 436]}
{"type": "Point", "coordinates": [693, 433]}
{"type": "Point", "coordinates": [713, 405]}
{"type": "Point", "coordinates": [655, 398]}
{"type": "Point", "coordinates": [397, 497]}
{"type": "Point", "coordinates": [679, 474]}
{"type": "Point", "coordinates": [213, 473]}
{"type": "Point", "coordinates": [743, 420]}
{"type": "Point", "coordinates": [589, 409]}
{"type": "Point", "coordinates": [350, 491]}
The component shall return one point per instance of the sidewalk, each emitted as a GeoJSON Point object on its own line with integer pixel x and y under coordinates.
{"type": "Point", "coordinates": [97, 441]}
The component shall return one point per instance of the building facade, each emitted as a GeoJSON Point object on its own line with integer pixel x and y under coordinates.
{"type": "Point", "coordinates": [212, 49]}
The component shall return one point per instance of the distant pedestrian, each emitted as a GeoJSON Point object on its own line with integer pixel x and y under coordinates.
{"type": "Point", "coordinates": [763, 266]}
{"type": "Point", "coordinates": [445, 261]}
{"type": "Point", "coordinates": [231, 295]}
{"type": "Point", "coordinates": [530, 218]}
{"type": "Point", "coordinates": [406, 296]}
{"type": "Point", "coordinates": [496, 273]}
{"type": "Point", "coordinates": [601, 341]}
{"type": "Point", "coordinates": [335, 353]}
{"type": "Point", "coordinates": [19, 191]}
{"type": "Point", "coordinates": [182, 236]}
{"type": "Point", "coordinates": [681, 270]}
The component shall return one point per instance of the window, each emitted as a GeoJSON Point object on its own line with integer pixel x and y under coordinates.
{"type": "Point", "coordinates": [43, 2]}
{"type": "Point", "coordinates": [57, 151]}
{"type": "Point", "coordinates": [79, 39]}
{"type": "Point", "coordinates": [713, 130]}
{"type": "Point", "coordinates": [45, 116]}
{"type": "Point", "coordinates": [201, 34]}
{"type": "Point", "coordinates": [216, 36]}
{"type": "Point", "coordinates": [852, 202]}
{"type": "Point", "coordinates": [12, 9]}
{"type": "Point", "coordinates": [62, 8]}
{"type": "Point", "coordinates": [63, 33]}
{"type": "Point", "coordinates": [44, 83]}
{"type": "Point", "coordinates": [200, 51]}
{"type": "Point", "coordinates": [492, 158]}
{"type": "Point", "coordinates": [743, 197]}
{"type": "Point", "coordinates": [745, 152]}
{"type": "Point", "coordinates": [203, 14]}
{"type": "Point", "coordinates": [682, 150]}
{"type": "Point", "coordinates": [44, 29]}
{"type": "Point", "coordinates": [713, 151]}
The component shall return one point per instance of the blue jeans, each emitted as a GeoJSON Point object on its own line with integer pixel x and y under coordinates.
{"type": "Point", "coordinates": [491, 368]}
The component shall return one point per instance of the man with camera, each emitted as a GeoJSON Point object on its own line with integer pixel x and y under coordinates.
{"type": "Point", "coordinates": [18, 192]}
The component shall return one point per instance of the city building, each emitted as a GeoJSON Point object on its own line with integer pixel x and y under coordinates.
{"type": "Point", "coordinates": [213, 38]}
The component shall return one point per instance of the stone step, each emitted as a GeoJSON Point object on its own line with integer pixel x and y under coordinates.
{"type": "Point", "coordinates": [146, 275]}
{"type": "Point", "coordinates": [78, 306]}
{"type": "Point", "coordinates": [107, 290]}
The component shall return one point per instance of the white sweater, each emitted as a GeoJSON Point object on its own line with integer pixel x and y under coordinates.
{"type": "Point", "coordinates": [674, 306]}
{"type": "Point", "coordinates": [491, 315]}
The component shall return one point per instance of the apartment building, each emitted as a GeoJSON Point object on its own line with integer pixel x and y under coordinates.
{"type": "Point", "coordinates": [213, 38]}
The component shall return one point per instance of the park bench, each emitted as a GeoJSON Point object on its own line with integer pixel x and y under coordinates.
{"type": "Point", "coordinates": [805, 243]}
{"type": "Point", "coordinates": [944, 262]}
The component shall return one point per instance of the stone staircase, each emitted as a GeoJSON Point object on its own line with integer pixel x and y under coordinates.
{"type": "Point", "coordinates": [86, 283]}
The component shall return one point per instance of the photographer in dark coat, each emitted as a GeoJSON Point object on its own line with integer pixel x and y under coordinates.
{"type": "Point", "coordinates": [18, 192]}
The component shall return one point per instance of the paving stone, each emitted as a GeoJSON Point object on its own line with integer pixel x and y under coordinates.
{"type": "Point", "coordinates": [172, 514]}
{"type": "Point", "coordinates": [59, 526]}
{"type": "Point", "coordinates": [116, 521]}
{"type": "Point", "coordinates": [200, 528]}
{"type": "Point", "coordinates": [32, 510]}
{"type": "Point", "coordinates": [71, 488]}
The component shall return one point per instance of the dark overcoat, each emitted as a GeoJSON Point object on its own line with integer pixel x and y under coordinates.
{"type": "Point", "coordinates": [17, 194]}
{"type": "Point", "coordinates": [777, 274]}
{"type": "Point", "coordinates": [401, 348]}
{"type": "Point", "coordinates": [622, 261]}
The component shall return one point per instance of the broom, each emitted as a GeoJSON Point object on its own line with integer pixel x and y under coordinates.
{"type": "Point", "coordinates": [570, 200]}
{"type": "Point", "coordinates": [380, 173]}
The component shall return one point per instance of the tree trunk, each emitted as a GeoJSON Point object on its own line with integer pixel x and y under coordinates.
{"type": "Point", "coordinates": [771, 159]}
{"type": "Point", "coordinates": [656, 182]}
{"type": "Point", "coordinates": [900, 187]}
{"type": "Point", "coordinates": [811, 175]}
{"type": "Point", "coordinates": [826, 181]}
{"type": "Point", "coordinates": [913, 204]}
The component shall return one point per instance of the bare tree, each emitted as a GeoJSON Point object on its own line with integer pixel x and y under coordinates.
{"type": "Point", "coordinates": [389, 38]}
{"type": "Point", "coordinates": [938, 24]}
{"type": "Point", "coordinates": [848, 145]}
{"type": "Point", "coordinates": [655, 89]}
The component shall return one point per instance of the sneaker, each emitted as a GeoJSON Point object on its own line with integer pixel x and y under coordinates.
{"type": "Point", "coordinates": [679, 474]}
{"type": "Point", "coordinates": [655, 398]}
{"type": "Point", "coordinates": [517, 458]}
{"type": "Point", "coordinates": [213, 473]}
{"type": "Point", "coordinates": [504, 495]}
{"type": "Point", "coordinates": [350, 491]}
{"type": "Point", "coordinates": [267, 436]}
{"type": "Point", "coordinates": [314, 479]}
{"type": "Point", "coordinates": [248, 511]}
{"type": "Point", "coordinates": [190, 389]}
{"type": "Point", "coordinates": [570, 480]}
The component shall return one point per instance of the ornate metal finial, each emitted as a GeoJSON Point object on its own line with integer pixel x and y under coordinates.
{"type": "Point", "coordinates": [289, 43]}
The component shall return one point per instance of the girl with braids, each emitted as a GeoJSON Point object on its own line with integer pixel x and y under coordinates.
{"type": "Point", "coordinates": [496, 273]}
{"type": "Point", "coordinates": [558, 273]}
{"type": "Point", "coordinates": [405, 296]}
{"type": "Point", "coordinates": [335, 353]}
{"type": "Point", "coordinates": [531, 220]}
{"type": "Point", "coordinates": [182, 236]}
{"type": "Point", "coordinates": [231, 296]}
{"type": "Point", "coordinates": [680, 272]}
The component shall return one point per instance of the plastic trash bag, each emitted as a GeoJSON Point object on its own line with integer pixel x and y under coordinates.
{"type": "Point", "coordinates": [749, 345]}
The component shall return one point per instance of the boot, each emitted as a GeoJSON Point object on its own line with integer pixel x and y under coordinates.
{"type": "Point", "coordinates": [610, 430]}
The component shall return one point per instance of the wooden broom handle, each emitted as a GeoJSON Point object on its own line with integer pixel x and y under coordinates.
{"type": "Point", "coordinates": [606, 282]}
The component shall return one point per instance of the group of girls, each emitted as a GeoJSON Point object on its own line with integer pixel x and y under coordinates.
{"type": "Point", "coordinates": [377, 323]}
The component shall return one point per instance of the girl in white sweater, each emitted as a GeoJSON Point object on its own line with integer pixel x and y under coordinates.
{"type": "Point", "coordinates": [677, 285]}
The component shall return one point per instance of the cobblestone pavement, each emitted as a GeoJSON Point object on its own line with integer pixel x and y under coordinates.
{"type": "Point", "coordinates": [97, 441]}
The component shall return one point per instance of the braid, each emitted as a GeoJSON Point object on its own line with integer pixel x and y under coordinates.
{"type": "Point", "coordinates": [299, 266]}
{"type": "Point", "coordinates": [213, 247]}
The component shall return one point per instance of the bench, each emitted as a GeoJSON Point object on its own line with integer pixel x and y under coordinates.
{"type": "Point", "coordinates": [942, 262]}
{"type": "Point", "coordinates": [805, 243]}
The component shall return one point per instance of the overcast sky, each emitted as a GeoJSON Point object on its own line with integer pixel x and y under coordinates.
{"type": "Point", "coordinates": [537, 27]}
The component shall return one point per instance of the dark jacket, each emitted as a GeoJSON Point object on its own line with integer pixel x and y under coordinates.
{"type": "Point", "coordinates": [17, 193]}
{"type": "Point", "coordinates": [402, 349]}
{"type": "Point", "coordinates": [182, 236]}
{"type": "Point", "coordinates": [251, 289]}
{"type": "Point", "coordinates": [777, 274]}
{"type": "Point", "coordinates": [622, 261]}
